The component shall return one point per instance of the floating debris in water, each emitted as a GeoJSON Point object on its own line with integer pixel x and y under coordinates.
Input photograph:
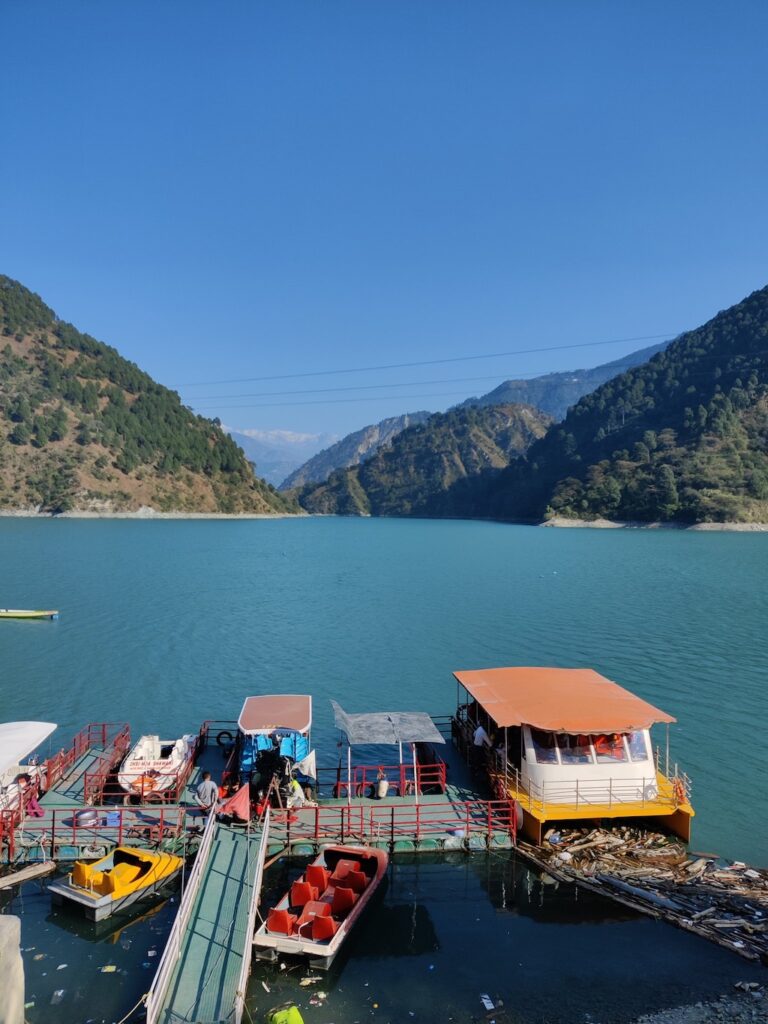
{"type": "Point", "coordinates": [39, 956]}
{"type": "Point", "coordinates": [61, 967]}
{"type": "Point", "coordinates": [108, 969]}
{"type": "Point", "coordinates": [57, 996]}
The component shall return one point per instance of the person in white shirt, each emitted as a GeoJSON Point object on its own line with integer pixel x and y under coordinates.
{"type": "Point", "coordinates": [480, 740]}
{"type": "Point", "coordinates": [481, 737]}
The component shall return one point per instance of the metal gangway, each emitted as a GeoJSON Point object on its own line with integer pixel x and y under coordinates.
{"type": "Point", "coordinates": [203, 972]}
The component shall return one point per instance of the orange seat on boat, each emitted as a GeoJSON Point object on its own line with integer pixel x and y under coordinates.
{"type": "Point", "coordinates": [311, 911]}
{"type": "Point", "coordinates": [302, 893]}
{"type": "Point", "coordinates": [318, 875]}
{"type": "Point", "coordinates": [343, 900]}
{"type": "Point", "coordinates": [324, 928]}
{"type": "Point", "coordinates": [343, 867]}
{"type": "Point", "coordinates": [356, 880]}
{"type": "Point", "coordinates": [281, 922]}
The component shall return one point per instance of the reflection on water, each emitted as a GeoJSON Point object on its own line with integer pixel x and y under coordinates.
{"type": "Point", "coordinates": [65, 956]}
{"type": "Point", "coordinates": [450, 928]}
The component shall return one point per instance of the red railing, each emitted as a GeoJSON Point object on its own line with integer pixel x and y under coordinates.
{"type": "Point", "coordinates": [365, 778]}
{"type": "Point", "coordinates": [114, 738]}
{"type": "Point", "coordinates": [392, 822]}
{"type": "Point", "coordinates": [164, 787]}
{"type": "Point", "coordinates": [113, 827]}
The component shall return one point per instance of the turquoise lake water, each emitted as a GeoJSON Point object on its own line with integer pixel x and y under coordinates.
{"type": "Point", "coordinates": [166, 623]}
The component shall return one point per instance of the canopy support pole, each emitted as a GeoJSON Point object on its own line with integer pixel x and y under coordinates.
{"type": "Point", "coordinates": [349, 773]}
{"type": "Point", "coordinates": [415, 775]}
{"type": "Point", "coordinates": [666, 767]}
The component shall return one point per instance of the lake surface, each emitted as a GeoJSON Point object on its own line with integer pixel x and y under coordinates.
{"type": "Point", "coordinates": [167, 623]}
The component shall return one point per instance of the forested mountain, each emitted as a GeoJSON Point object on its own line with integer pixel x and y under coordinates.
{"type": "Point", "coordinates": [555, 393]}
{"type": "Point", "coordinates": [682, 438]}
{"type": "Point", "coordinates": [81, 427]}
{"type": "Point", "coordinates": [352, 449]}
{"type": "Point", "coordinates": [424, 468]}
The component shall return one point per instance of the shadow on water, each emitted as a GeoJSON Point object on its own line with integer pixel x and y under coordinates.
{"type": "Point", "coordinates": [65, 956]}
{"type": "Point", "coordinates": [448, 929]}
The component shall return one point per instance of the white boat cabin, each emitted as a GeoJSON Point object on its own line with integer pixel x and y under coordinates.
{"type": "Point", "coordinates": [598, 767]}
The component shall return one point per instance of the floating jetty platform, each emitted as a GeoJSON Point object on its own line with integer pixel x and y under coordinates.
{"type": "Point", "coordinates": [474, 780]}
{"type": "Point", "coordinates": [203, 972]}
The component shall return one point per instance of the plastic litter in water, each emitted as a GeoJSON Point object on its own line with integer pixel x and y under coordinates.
{"type": "Point", "coordinates": [28, 1006]}
{"type": "Point", "coordinates": [61, 967]}
{"type": "Point", "coordinates": [57, 996]}
{"type": "Point", "coordinates": [39, 956]}
{"type": "Point", "coordinates": [146, 964]}
{"type": "Point", "coordinates": [266, 986]}
{"type": "Point", "coordinates": [108, 969]}
{"type": "Point", "coordinates": [152, 952]}
{"type": "Point", "coordinates": [486, 1000]}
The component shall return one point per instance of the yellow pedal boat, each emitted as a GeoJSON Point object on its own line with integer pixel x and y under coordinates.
{"type": "Point", "coordinates": [115, 881]}
{"type": "Point", "coordinates": [26, 613]}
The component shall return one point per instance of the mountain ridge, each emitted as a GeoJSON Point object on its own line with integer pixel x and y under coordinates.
{"type": "Point", "coordinates": [418, 471]}
{"type": "Point", "coordinates": [82, 428]}
{"type": "Point", "coordinates": [352, 449]}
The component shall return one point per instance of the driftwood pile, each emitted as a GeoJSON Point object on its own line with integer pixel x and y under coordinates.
{"type": "Point", "coordinates": [655, 874]}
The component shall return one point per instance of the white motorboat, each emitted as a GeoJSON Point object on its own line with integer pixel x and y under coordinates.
{"type": "Point", "coordinates": [17, 742]}
{"type": "Point", "coordinates": [155, 766]}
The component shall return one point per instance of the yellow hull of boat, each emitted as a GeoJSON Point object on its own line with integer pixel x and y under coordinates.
{"type": "Point", "coordinates": [22, 613]}
{"type": "Point", "coordinates": [124, 871]}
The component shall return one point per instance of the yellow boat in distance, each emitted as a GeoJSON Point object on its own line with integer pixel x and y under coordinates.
{"type": "Point", "coordinates": [26, 613]}
{"type": "Point", "coordinates": [116, 881]}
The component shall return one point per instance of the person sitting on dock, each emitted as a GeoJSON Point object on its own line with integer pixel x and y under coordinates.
{"type": "Point", "coordinates": [207, 793]}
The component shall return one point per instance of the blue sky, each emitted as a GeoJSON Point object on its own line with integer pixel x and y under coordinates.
{"type": "Point", "coordinates": [240, 190]}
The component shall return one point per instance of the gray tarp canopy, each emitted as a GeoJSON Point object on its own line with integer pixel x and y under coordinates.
{"type": "Point", "coordinates": [386, 727]}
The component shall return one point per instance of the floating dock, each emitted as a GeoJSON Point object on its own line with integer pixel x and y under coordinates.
{"type": "Point", "coordinates": [203, 973]}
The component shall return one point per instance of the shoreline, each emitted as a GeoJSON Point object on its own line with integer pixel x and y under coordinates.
{"type": "Point", "coordinates": [556, 522]}
{"type": "Point", "coordinates": [562, 522]}
{"type": "Point", "coordinates": [142, 513]}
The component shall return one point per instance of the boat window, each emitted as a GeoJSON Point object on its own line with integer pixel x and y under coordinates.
{"type": "Point", "coordinates": [575, 749]}
{"type": "Point", "coordinates": [544, 746]}
{"type": "Point", "coordinates": [609, 747]}
{"type": "Point", "coordinates": [638, 749]}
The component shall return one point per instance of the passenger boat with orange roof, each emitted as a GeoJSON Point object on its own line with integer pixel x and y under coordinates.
{"type": "Point", "coordinates": [569, 745]}
{"type": "Point", "coordinates": [316, 915]}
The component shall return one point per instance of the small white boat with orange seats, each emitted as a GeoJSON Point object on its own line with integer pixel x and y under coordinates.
{"type": "Point", "coordinates": [320, 909]}
{"type": "Point", "coordinates": [154, 766]}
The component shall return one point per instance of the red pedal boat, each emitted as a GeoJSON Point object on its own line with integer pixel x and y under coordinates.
{"type": "Point", "coordinates": [322, 906]}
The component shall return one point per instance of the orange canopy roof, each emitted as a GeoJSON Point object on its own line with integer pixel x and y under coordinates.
{"type": "Point", "coordinates": [571, 700]}
{"type": "Point", "coordinates": [273, 711]}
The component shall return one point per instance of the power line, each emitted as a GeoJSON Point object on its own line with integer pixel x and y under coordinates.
{"type": "Point", "coordinates": [432, 394]}
{"type": "Point", "coordinates": [521, 376]}
{"type": "Point", "coordinates": [423, 362]}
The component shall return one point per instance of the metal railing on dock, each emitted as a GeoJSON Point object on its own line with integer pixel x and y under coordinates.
{"type": "Point", "coordinates": [390, 823]}
{"type": "Point", "coordinates": [111, 826]}
{"type": "Point", "coordinates": [245, 969]}
{"type": "Point", "coordinates": [167, 965]}
{"type": "Point", "coordinates": [163, 990]}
